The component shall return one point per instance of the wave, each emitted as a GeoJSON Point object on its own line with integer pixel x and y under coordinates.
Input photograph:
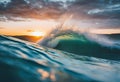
{"type": "Point", "coordinates": [22, 61]}
{"type": "Point", "coordinates": [82, 43]}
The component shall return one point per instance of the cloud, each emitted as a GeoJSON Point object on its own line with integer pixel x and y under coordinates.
{"type": "Point", "coordinates": [1, 27]}
{"type": "Point", "coordinates": [54, 9]}
{"type": "Point", "coordinates": [30, 30]}
{"type": "Point", "coordinates": [37, 9]}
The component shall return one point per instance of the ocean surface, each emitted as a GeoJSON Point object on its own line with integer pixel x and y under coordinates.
{"type": "Point", "coordinates": [64, 56]}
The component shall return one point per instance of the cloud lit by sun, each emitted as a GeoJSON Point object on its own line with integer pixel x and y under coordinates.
{"type": "Point", "coordinates": [37, 33]}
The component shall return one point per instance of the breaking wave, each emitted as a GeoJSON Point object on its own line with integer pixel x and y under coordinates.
{"type": "Point", "coordinates": [86, 44]}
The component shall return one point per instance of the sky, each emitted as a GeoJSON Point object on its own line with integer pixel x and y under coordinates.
{"type": "Point", "coordinates": [21, 17]}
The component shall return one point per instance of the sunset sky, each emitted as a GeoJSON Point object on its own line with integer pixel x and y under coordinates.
{"type": "Point", "coordinates": [22, 17]}
{"type": "Point", "coordinates": [25, 27]}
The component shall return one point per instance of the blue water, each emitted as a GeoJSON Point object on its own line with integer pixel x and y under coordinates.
{"type": "Point", "coordinates": [22, 61]}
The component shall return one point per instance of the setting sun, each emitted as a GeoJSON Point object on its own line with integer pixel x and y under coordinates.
{"type": "Point", "coordinates": [37, 33]}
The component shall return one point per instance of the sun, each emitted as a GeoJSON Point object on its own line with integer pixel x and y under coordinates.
{"type": "Point", "coordinates": [37, 33]}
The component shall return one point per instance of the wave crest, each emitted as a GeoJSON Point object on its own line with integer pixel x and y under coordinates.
{"type": "Point", "coordinates": [82, 43]}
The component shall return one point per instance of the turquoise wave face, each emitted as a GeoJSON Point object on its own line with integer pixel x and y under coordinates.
{"type": "Point", "coordinates": [84, 44]}
{"type": "Point", "coordinates": [27, 62]}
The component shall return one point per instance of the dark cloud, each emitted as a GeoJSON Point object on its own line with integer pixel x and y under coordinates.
{"type": "Point", "coordinates": [47, 9]}
{"type": "Point", "coordinates": [35, 9]}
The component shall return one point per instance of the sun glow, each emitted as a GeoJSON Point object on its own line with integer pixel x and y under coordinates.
{"type": "Point", "coordinates": [37, 33]}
